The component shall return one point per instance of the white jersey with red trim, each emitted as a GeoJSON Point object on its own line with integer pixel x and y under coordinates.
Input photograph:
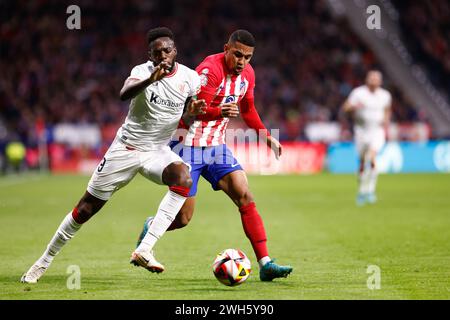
{"type": "Point", "coordinates": [224, 88]}
{"type": "Point", "coordinates": [155, 112]}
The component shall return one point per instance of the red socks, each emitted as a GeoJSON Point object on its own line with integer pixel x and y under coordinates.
{"type": "Point", "coordinates": [254, 229]}
{"type": "Point", "coordinates": [182, 191]}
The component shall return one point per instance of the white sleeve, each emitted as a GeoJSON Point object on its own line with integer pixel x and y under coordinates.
{"type": "Point", "coordinates": [195, 84]}
{"type": "Point", "coordinates": [353, 98]}
{"type": "Point", "coordinates": [137, 73]}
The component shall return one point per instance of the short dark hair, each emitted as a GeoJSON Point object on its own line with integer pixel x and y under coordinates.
{"type": "Point", "coordinates": [159, 32]}
{"type": "Point", "coordinates": [244, 37]}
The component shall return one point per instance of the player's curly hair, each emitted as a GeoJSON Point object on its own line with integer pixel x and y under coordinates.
{"type": "Point", "coordinates": [244, 37]}
{"type": "Point", "coordinates": [159, 32]}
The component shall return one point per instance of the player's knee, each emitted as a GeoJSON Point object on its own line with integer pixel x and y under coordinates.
{"type": "Point", "coordinates": [185, 181]}
{"type": "Point", "coordinates": [244, 198]}
{"type": "Point", "coordinates": [183, 178]}
{"type": "Point", "coordinates": [177, 175]}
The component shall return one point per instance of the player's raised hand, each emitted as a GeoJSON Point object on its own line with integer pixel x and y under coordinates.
{"type": "Point", "coordinates": [196, 107]}
{"type": "Point", "coordinates": [275, 145]}
{"type": "Point", "coordinates": [229, 110]}
{"type": "Point", "coordinates": [160, 71]}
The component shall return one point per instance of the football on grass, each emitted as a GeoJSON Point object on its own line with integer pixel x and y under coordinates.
{"type": "Point", "coordinates": [232, 267]}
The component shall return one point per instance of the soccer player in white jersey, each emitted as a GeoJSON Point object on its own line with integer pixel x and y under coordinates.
{"type": "Point", "coordinates": [371, 108]}
{"type": "Point", "coordinates": [159, 90]}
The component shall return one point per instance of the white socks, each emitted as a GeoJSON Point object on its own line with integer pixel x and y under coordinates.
{"type": "Point", "coordinates": [167, 211]}
{"type": "Point", "coordinates": [372, 183]}
{"type": "Point", "coordinates": [363, 181]}
{"type": "Point", "coordinates": [367, 181]}
{"type": "Point", "coordinates": [263, 261]}
{"type": "Point", "coordinates": [65, 232]}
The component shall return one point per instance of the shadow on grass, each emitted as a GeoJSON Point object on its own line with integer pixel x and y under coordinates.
{"type": "Point", "coordinates": [134, 286]}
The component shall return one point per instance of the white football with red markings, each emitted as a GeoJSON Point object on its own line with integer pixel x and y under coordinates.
{"type": "Point", "coordinates": [232, 267]}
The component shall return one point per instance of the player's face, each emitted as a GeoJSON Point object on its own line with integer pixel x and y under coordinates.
{"type": "Point", "coordinates": [163, 50]}
{"type": "Point", "coordinates": [374, 79]}
{"type": "Point", "coordinates": [237, 55]}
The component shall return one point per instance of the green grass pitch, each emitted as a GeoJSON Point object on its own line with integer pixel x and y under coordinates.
{"type": "Point", "coordinates": [312, 223]}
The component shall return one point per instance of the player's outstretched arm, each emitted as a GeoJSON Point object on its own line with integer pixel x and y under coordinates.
{"type": "Point", "coordinates": [132, 87]}
{"type": "Point", "coordinates": [347, 106]}
{"type": "Point", "coordinates": [252, 119]}
{"type": "Point", "coordinates": [275, 145]}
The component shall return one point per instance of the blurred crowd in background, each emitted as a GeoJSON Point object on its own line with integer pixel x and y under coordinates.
{"type": "Point", "coordinates": [426, 30]}
{"type": "Point", "coordinates": [306, 61]}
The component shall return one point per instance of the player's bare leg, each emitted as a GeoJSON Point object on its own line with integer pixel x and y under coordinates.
{"type": "Point", "coordinates": [176, 176]}
{"type": "Point", "coordinates": [235, 185]}
{"type": "Point", "coordinates": [85, 209]}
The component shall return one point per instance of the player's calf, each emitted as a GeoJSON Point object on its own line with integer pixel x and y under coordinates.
{"type": "Point", "coordinates": [87, 207]}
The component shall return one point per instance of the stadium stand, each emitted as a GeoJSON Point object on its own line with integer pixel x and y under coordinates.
{"type": "Point", "coordinates": [306, 62]}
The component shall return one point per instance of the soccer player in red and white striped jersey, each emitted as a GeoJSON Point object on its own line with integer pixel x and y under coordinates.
{"type": "Point", "coordinates": [220, 87]}
{"type": "Point", "coordinates": [227, 86]}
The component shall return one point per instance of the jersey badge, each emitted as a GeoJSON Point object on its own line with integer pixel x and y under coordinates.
{"type": "Point", "coordinates": [204, 77]}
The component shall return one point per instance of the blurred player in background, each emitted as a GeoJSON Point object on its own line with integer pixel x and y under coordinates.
{"type": "Point", "coordinates": [371, 108]}
{"type": "Point", "coordinates": [159, 90]}
{"type": "Point", "coordinates": [228, 80]}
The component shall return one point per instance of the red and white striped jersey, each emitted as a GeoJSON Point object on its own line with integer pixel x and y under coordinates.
{"type": "Point", "coordinates": [218, 86]}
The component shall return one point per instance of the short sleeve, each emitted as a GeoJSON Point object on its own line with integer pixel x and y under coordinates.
{"type": "Point", "coordinates": [137, 73]}
{"type": "Point", "coordinates": [209, 79]}
{"type": "Point", "coordinates": [353, 98]}
{"type": "Point", "coordinates": [195, 84]}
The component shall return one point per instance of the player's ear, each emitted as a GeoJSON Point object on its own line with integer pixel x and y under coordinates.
{"type": "Point", "coordinates": [226, 47]}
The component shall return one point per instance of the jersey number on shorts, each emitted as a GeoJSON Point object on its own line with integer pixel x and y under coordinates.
{"type": "Point", "coordinates": [101, 165]}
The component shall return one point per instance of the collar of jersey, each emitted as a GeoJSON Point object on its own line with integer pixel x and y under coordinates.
{"type": "Point", "coordinates": [174, 70]}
